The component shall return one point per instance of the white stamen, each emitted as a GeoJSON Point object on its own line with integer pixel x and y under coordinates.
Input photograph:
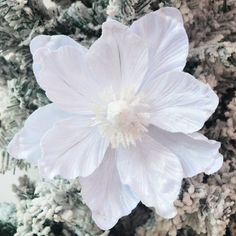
{"type": "Point", "coordinates": [122, 120]}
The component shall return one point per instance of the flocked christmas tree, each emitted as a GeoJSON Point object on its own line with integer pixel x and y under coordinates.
{"type": "Point", "coordinates": [206, 204]}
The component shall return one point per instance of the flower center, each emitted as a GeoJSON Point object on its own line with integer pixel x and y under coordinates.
{"type": "Point", "coordinates": [123, 120]}
{"type": "Point", "coordinates": [119, 114]}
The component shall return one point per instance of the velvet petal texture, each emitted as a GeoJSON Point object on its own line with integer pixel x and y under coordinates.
{"type": "Point", "coordinates": [179, 102]}
{"type": "Point", "coordinates": [164, 34]}
{"type": "Point", "coordinates": [72, 148]}
{"type": "Point", "coordinates": [105, 194]}
{"type": "Point", "coordinates": [26, 143]}
{"type": "Point", "coordinates": [154, 173]}
{"type": "Point", "coordinates": [195, 152]}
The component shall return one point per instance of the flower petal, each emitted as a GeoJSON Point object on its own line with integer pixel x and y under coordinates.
{"type": "Point", "coordinates": [171, 12]}
{"type": "Point", "coordinates": [105, 195]}
{"type": "Point", "coordinates": [72, 148]}
{"type": "Point", "coordinates": [196, 153]}
{"type": "Point", "coordinates": [167, 41]}
{"type": "Point", "coordinates": [53, 42]}
{"type": "Point", "coordinates": [180, 103]}
{"type": "Point", "coordinates": [25, 144]}
{"type": "Point", "coordinates": [118, 58]}
{"type": "Point", "coordinates": [153, 173]}
{"type": "Point", "coordinates": [66, 79]}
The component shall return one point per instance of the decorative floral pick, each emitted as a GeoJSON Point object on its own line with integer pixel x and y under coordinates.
{"type": "Point", "coordinates": [124, 116]}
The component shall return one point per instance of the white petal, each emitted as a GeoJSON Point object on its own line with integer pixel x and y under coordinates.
{"type": "Point", "coordinates": [180, 103]}
{"type": "Point", "coordinates": [66, 79]}
{"type": "Point", "coordinates": [25, 144]}
{"type": "Point", "coordinates": [53, 42]}
{"type": "Point", "coordinates": [105, 195]}
{"type": "Point", "coordinates": [118, 58]}
{"type": "Point", "coordinates": [72, 148]}
{"type": "Point", "coordinates": [167, 41]}
{"type": "Point", "coordinates": [216, 164]}
{"type": "Point", "coordinates": [153, 173]}
{"type": "Point", "coordinates": [171, 12]}
{"type": "Point", "coordinates": [196, 153]}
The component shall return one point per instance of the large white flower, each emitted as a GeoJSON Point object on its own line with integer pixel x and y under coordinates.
{"type": "Point", "coordinates": [123, 116]}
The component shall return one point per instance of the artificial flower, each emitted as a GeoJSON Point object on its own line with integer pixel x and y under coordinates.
{"type": "Point", "coordinates": [124, 116]}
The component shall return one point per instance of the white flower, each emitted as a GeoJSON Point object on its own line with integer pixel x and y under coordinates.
{"type": "Point", "coordinates": [123, 116]}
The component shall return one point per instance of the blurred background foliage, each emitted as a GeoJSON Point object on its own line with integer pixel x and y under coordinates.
{"type": "Point", "coordinates": [206, 205]}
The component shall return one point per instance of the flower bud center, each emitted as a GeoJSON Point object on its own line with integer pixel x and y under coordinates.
{"type": "Point", "coordinates": [122, 120]}
{"type": "Point", "coordinates": [120, 114]}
